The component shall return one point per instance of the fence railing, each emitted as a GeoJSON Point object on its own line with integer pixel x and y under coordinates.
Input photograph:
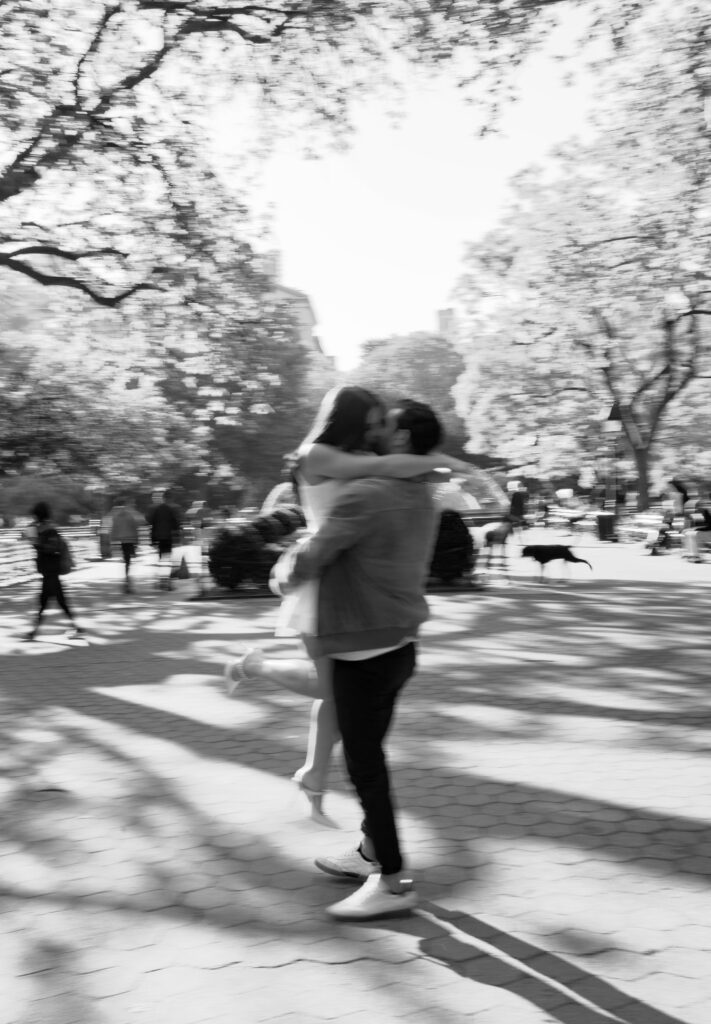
{"type": "Point", "coordinates": [17, 556]}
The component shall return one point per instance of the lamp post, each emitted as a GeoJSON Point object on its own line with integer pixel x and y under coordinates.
{"type": "Point", "coordinates": [612, 428]}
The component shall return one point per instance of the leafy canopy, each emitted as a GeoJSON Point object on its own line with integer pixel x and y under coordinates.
{"type": "Point", "coordinates": [105, 106]}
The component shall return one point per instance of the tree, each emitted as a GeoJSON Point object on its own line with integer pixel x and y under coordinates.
{"type": "Point", "coordinates": [401, 366]}
{"type": "Point", "coordinates": [230, 356]}
{"type": "Point", "coordinates": [104, 107]}
{"type": "Point", "coordinates": [595, 290]}
{"type": "Point", "coordinates": [86, 424]}
{"type": "Point", "coordinates": [257, 412]}
{"type": "Point", "coordinates": [220, 351]}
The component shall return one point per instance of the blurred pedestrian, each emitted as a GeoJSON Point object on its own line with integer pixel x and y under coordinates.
{"type": "Point", "coordinates": [124, 531]}
{"type": "Point", "coordinates": [48, 544]}
{"type": "Point", "coordinates": [165, 528]}
{"type": "Point", "coordinates": [697, 529]}
{"type": "Point", "coordinates": [680, 495]}
{"type": "Point", "coordinates": [659, 537]}
{"type": "Point", "coordinates": [105, 533]}
{"type": "Point", "coordinates": [517, 506]}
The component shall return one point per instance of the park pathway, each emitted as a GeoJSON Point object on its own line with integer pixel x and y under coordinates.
{"type": "Point", "coordinates": [551, 761]}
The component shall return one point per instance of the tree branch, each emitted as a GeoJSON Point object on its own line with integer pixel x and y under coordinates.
{"type": "Point", "coordinates": [693, 312]}
{"type": "Point", "coordinates": [65, 254]}
{"type": "Point", "coordinates": [243, 10]}
{"type": "Point", "coordinates": [54, 280]}
{"type": "Point", "coordinates": [673, 389]}
{"type": "Point", "coordinates": [130, 82]}
{"type": "Point", "coordinates": [605, 325]}
{"type": "Point", "coordinates": [205, 23]}
{"type": "Point", "coordinates": [53, 141]}
{"type": "Point", "coordinates": [606, 241]}
{"type": "Point", "coordinates": [647, 384]}
{"type": "Point", "coordinates": [632, 259]}
{"type": "Point", "coordinates": [93, 46]}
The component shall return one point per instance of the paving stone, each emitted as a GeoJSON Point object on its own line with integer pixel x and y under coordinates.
{"type": "Point", "coordinates": [110, 981]}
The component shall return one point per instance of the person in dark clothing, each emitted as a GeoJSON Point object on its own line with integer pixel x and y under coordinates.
{"type": "Point", "coordinates": [517, 507]}
{"type": "Point", "coordinates": [165, 527]}
{"type": "Point", "coordinates": [44, 537]}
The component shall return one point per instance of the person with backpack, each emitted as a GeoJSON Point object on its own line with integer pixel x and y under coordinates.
{"type": "Point", "coordinates": [53, 561]}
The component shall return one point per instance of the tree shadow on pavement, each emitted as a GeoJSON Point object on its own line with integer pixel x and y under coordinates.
{"type": "Point", "coordinates": [625, 651]}
{"type": "Point", "coordinates": [140, 717]}
{"type": "Point", "coordinates": [476, 651]}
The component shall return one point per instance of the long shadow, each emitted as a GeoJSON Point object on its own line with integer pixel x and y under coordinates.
{"type": "Point", "coordinates": [563, 990]}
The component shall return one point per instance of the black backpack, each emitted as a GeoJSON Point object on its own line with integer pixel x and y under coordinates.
{"type": "Point", "coordinates": [53, 554]}
{"type": "Point", "coordinates": [49, 542]}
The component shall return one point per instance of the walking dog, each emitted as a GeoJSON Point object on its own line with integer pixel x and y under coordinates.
{"type": "Point", "coordinates": [545, 553]}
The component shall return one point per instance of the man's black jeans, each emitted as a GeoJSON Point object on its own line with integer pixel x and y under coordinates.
{"type": "Point", "coordinates": [365, 694]}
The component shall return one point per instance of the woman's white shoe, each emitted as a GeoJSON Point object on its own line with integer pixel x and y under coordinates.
{"type": "Point", "coordinates": [241, 670]}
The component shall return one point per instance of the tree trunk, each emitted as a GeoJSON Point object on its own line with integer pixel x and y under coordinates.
{"type": "Point", "coordinates": [641, 457]}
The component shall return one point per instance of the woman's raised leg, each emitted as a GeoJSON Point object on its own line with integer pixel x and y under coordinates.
{"type": "Point", "coordinates": [312, 777]}
{"type": "Point", "coordinates": [296, 674]}
{"type": "Point", "coordinates": [309, 679]}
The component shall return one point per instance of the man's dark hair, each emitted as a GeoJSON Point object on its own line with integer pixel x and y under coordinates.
{"type": "Point", "coordinates": [426, 431]}
{"type": "Point", "coordinates": [41, 512]}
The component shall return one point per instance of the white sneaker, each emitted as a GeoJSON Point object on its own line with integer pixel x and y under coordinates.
{"type": "Point", "coordinates": [373, 899]}
{"type": "Point", "coordinates": [240, 670]}
{"type": "Point", "coordinates": [351, 864]}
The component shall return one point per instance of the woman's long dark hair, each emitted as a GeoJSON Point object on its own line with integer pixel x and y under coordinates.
{"type": "Point", "coordinates": [342, 420]}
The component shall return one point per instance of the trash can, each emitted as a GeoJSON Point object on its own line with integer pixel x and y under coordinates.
{"type": "Point", "coordinates": [606, 526]}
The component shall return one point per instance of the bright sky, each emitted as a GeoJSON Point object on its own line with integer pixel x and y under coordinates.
{"type": "Point", "coordinates": [376, 236]}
